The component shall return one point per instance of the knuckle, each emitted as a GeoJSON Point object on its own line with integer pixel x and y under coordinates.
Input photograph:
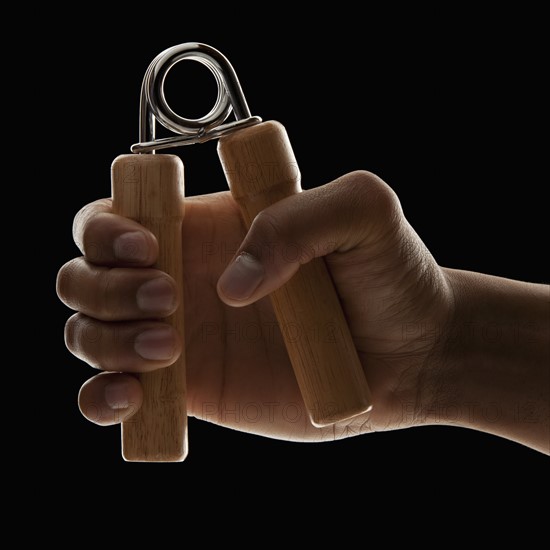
{"type": "Point", "coordinates": [267, 233]}
{"type": "Point", "coordinates": [266, 225]}
{"type": "Point", "coordinates": [274, 229]}
{"type": "Point", "coordinates": [80, 222]}
{"type": "Point", "coordinates": [71, 341]}
{"type": "Point", "coordinates": [94, 243]}
{"type": "Point", "coordinates": [367, 187]}
{"type": "Point", "coordinates": [65, 282]}
{"type": "Point", "coordinates": [367, 193]}
{"type": "Point", "coordinates": [84, 219]}
{"type": "Point", "coordinates": [83, 335]}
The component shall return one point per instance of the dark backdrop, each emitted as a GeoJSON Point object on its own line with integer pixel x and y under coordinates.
{"type": "Point", "coordinates": [442, 112]}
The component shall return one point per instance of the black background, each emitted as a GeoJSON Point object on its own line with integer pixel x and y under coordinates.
{"type": "Point", "coordinates": [442, 110]}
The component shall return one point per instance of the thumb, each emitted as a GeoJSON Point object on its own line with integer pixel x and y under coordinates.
{"type": "Point", "coordinates": [355, 211]}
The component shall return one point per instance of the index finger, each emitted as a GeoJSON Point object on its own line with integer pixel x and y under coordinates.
{"type": "Point", "coordinates": [108, 239]}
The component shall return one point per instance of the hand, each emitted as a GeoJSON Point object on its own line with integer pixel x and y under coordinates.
{"type": "Point", "coordinates": [237, 368]}
{"type": "Point", "coordinates": [406, 314]}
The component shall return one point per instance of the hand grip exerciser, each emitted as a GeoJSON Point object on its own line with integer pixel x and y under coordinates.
{"type": "Point", "coordinates": [261, 169]}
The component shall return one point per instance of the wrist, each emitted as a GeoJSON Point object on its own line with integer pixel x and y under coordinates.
{"type": "Point", "coordinates": [492, 374]}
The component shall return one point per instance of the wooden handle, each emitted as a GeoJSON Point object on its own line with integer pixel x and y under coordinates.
{"type": "Point", "coordinates": [261, 169]}
{"type": "Point", "coordinates": [149, 189]}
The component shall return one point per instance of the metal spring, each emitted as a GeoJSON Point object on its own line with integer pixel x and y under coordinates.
{"type": "Point", "coordinates": [154, 107]}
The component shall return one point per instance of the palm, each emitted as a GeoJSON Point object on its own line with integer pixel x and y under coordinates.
{"type": "Point", "coordinates": [232, 371]}
{"type": "Point", "coordinates": [238, 370]}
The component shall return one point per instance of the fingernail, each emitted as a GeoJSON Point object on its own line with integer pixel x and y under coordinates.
{"type": "Point", "coordinates": [242, 277]}
{"type": "Point", "coordinates": [157, 344]}
{"type": "Point", "coordinates": [116, 395]}
{"type": "Point", "coordinates": [131, 247]}
{"type": "Point", "coordinates": [156, 296]}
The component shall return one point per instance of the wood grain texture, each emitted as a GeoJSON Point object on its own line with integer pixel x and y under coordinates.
{"type": "Point", "coordinates": [261, 169]}
{"type": "Point", "coordinates": [149, 189]}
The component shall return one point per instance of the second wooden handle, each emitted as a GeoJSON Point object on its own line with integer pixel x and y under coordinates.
{"type": "Point", "coordinates": [261, 169]}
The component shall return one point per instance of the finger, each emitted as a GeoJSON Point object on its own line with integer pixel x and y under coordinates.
{"type": "Point", "coordinates": [116, 294]}
{"type": "Point", "coordinates": [127, 347]}
{"type": "Point", "coordinates": [107, 239]}
{"type": "Point", "coordinates": [110, 398]}
{"type": "Point", "coordinates": [359, 209]}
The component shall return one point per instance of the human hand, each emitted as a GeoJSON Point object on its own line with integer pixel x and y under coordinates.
{"type": "Point", "coordinates": [238, 372]}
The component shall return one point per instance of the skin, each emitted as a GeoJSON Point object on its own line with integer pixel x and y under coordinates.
{"type": "Point", "coordinates": [438, 346]}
